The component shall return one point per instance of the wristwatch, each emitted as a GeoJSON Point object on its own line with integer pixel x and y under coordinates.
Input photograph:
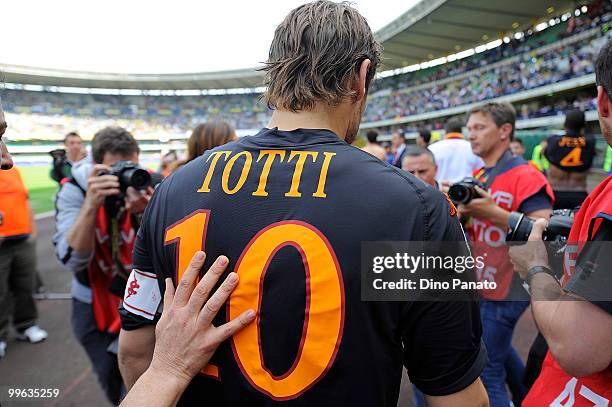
{"type": "Point", "coordinates": [533, 271]}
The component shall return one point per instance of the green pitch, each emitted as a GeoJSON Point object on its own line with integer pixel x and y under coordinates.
{"type": "Point", "coordinates": [42, 189]}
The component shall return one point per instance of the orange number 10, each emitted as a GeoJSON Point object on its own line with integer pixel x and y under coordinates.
{"type": "Point", "coordinates": [323, 316]}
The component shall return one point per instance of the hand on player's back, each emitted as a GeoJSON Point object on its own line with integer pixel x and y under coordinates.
{"type": "Point", "coordinates": [185, 336]}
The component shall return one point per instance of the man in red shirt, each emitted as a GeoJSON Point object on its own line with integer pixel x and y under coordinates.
{"type": "Point", "coordinates": [512, 185]}
{"type": "Point", "coordinates": [575, 317]}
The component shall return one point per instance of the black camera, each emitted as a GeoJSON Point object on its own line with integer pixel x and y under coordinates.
{"type": "Point", "coordinates": [58, 155]}
{"type": "Point", "coordinates": [130, 175]}
{"type": "Point", "coordinates": [464, 191]}
{"type": "Point", "coordinates": [558, 229]}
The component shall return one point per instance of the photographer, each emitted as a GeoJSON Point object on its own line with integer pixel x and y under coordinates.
{"type": "Point", "coordinates": [65, 159]}
{"type": "Point", "coordinates": [97, 220]}
{"type": "Point", "coordinates": [576, 318]}
{"type": "Point", "coordinates": [513, 185]}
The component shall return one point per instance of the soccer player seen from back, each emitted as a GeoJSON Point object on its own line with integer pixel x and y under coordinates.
{"type": "Point", "coordinates": [289, 208]}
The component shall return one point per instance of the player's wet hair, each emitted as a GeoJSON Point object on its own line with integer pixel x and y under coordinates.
{"type": "Point", "coordinates": [114, 140]}
{"type": "Point", "coordinates": [500, 112]}
{"type": "Point", "coordinates": [603, 68]}
{"type": "Point", "coordinates": [372, 135]}
{"type": "Point", "coordinates": [208, 135]}
{"type": "Point", "coordinates": [316, 54]}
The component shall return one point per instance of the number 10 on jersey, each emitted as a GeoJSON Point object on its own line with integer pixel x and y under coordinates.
{"type": "Point", "coordinates": [323, 316]}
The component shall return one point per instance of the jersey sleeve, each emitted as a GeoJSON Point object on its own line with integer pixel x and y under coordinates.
{"type": "Point", "coordinates": [540, 200]}
{"type": "Point", "coordinates": [443, 351]}
{"type": "Point", "coordinates": [529, 183]}
{"type": "Point", "coordinates": [142, 299]}
{"type": "Point", "coordinates": [592, 279]}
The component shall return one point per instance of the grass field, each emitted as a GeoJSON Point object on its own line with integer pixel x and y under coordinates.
{"type": "Point", "coordinates": [41, 188]}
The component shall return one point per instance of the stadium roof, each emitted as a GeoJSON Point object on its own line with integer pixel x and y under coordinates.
{"type": "Point", "coordinates": [431, 29]}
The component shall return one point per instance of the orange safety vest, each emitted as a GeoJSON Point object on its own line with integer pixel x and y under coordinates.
{"type": "Point", "coordinates": [14, 207]}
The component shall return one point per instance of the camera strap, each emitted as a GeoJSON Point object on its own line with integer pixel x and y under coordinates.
{"type": "Point", "coordinates": [115, 245]}
{"type": "Point", "coordinates": [487, 180]}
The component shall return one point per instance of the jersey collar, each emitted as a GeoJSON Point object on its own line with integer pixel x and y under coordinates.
{"type": "Point", "coordinates": [281, 138]}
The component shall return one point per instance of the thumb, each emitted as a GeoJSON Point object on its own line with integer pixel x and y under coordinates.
{"type": "Point", "coordinates": [482, 192]}
{"type": "Point", "coordinates": [538, 229]}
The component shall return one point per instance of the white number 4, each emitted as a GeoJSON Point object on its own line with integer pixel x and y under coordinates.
{"type": "Point", "coordinates": [567, 398]}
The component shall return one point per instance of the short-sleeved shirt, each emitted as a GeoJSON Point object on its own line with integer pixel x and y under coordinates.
{"type": "Point", "coordinates": [290, 210]}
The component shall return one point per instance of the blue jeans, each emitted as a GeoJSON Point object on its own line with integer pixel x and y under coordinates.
{"type": "Point", "coordinates": [96, 346]}
{"type": "Point", "coordinates": [498, 321]}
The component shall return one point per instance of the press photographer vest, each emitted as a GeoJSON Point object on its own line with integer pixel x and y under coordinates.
{"type": "Point", "coordinates": [516, 182]}
{"type": "Point", "coordinates": [554, 386]}
{"type": "Point", "coordinates": [15, 218]}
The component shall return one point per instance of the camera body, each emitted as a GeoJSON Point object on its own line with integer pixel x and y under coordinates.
{"type": "Point", "coordinates": [464, 191]}
{"type": "Point", "coordinates": [58, 155]}
{"type": "Point", "coordinates": [557, 231]}
{"type": "Point", "coordinates": [130, 175]}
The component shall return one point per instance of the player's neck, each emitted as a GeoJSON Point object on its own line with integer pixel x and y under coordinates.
{"type": "Point", "coordinates": [318, 118]}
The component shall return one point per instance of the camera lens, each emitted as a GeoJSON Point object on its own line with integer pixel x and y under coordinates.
{"type": "Point", "coordinates": [139, 178]}
{"type": "Point", "coordinates": [519, 227]}
{"type": "Point", "coordinates": [459, 194]}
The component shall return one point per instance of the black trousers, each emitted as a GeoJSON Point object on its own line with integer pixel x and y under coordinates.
{"type": "Point", "coordinates": [17, 279]}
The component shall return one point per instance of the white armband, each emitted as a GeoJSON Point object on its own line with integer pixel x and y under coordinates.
{"type": "Point", "coordinates": [142, 296]}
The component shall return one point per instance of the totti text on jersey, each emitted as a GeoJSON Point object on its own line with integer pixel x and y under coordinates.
{"type": "Point", "coordinates": [243, 161]}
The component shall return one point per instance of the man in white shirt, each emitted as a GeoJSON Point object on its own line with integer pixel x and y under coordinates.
{"type": "Point", "coordinates": [454, 154]}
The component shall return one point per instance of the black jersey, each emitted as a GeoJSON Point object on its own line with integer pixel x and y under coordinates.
{"type": "Point", "coordinates": [571, 153]}
{"type": "Point", "coordinates": [290, 210]}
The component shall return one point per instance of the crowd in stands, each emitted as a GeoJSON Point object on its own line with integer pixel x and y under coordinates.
{"type": "Point", "coordinates": [531, 71]}
{"type": "Point", "coordinates": [528, 62]}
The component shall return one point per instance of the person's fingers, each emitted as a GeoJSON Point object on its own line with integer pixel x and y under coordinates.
{"type": "Point", "coordinates": [482, 192]}
{"type": "Point", "coordinates": [97, 168]}
{"type": "Point", "coordinates": [205, 286]}
{"type": "Point", "coordinates": [109, 191]}
{"type": "Point", "coordinates": [216, 301]}
{"type": "Point", "coordinates": [103, 185]}
{"type": "Point", "coordinates": [230, 328]}
{"type": "Point", "coordinates": [187, 283]}
{"type": "Point", "coordinates": [537, 230]}
{"type": "Point", "coordinates": [104, 178]}
{"type": "Point", "coordinates": [168, 294]}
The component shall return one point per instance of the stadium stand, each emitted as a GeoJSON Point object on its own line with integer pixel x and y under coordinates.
{"type": "Point", "coordinates": [517, 66]}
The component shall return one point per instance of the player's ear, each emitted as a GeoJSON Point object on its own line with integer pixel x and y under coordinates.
{"type": "Point", "coordinates": [603, 102]}
{"type": "Point", "coordinates": [360, 84]}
